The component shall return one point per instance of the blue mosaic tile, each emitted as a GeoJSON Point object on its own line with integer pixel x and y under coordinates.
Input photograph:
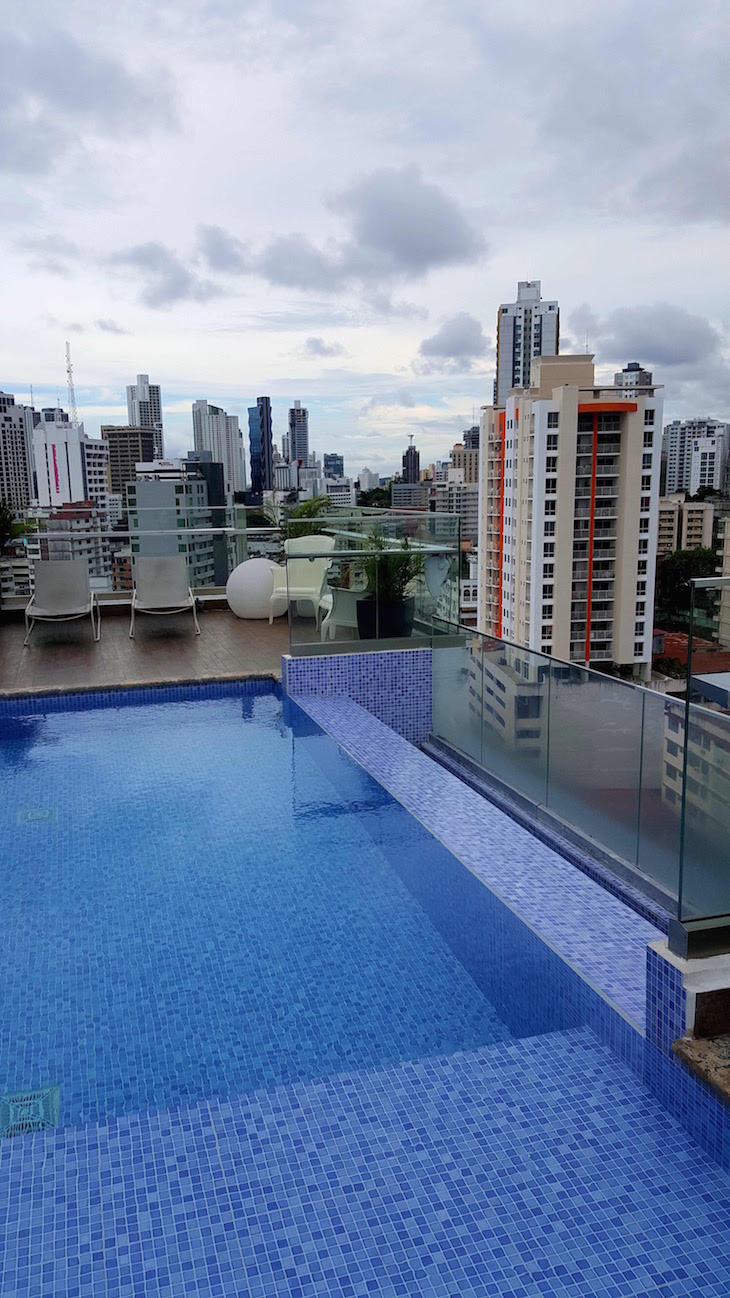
{"type": "Point", "coordinates": [666, 1001]}
{"type": "Point", "coordinates": [493, 1127]}
{"type": "Point", "coordinates": [395, 685]}
{"type": "Point", "coordinates": [537, 1167]}
{"type": "Point", "coordinates": [590, 929]}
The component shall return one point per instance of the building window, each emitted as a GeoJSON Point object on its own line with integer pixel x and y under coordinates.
{"type": "Point", "coordinates": [638, 649]}
{"type": "Point", "coordinates": [641, 566]}
{"type": "Point", "coordinates": [547, 590]}
{"type": "Point", "coordinates": [553, 419]}
{"type": "Point", "coordinates": [550, 506]}
{"type": "Point", "coordinates": [547, 610]}
{"type": "Point", "coordinates": [548, 569]}
{"type": "Point", "coordinates": [639, 628]}
{"type": "Point", "coordinates": [551, 486]}
{"type": "Point", "coordinates": [646, 483]}
{"type": "Point", "coordinates": [549, 527]}
{"type": "Point", "coordinates": [551, 464]}
{"type": "Point", "coordinates": [648, 416]}
{"type": "Point", "coordinates": [649, 439]}
{"type": "Point", "coordinates": [551, 443]}
{"type": "Point", "coordinates": [549, 549]}
{"type": "Point", "coordinates": [646, 462]}
{"type": "Point", "coordinates": [643, 547]}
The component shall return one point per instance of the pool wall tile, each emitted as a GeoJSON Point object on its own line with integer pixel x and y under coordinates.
{"type": "Point", "coordinates": [666, 1001]}
{"type": "Point", "coordinates": [604, 949]}
{"type": "Point", "coordinates": [395, 686]}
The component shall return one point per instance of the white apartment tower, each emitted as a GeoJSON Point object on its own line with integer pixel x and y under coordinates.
{"type": "Point", "coordinates": [144, 409]}
{"type": "Point", "coordinates": [685, 443]}
{"type": "Point", "coordinates": [70, 467]}
{"type": "Point", "coordinates": [569, 489]}
{"type": "Point", "coordinates": [218, 432]}
{"type": "Point", "coordinates": [526, 329]}
{"type": "Point", "coordinates": [16, 453]}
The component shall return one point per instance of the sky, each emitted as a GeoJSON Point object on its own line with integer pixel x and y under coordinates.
{"type": "Point", "coordinates": [327, 201]}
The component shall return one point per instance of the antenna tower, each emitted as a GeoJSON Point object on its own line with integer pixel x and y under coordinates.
{"type": "Point", "coordinates": [71, 394]}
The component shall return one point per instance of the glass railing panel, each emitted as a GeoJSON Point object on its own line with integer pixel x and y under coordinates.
{"type": "Point", "coordinates": [595, 756]}
{"type": "Point", "coordinates": [705, 880]}
{"type": "Point", "coordinates": [515, 716]}
{"type": "Point", "coordinates": [457, 692]}
{"type": "Point", "coordinates": [660, 817]}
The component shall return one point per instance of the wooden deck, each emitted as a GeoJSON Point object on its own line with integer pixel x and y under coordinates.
{"type": "Point", "coordinates": [65, 657]}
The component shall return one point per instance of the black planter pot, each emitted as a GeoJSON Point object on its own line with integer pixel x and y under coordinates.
{"type": "Point", "coordinates": [394, 620]}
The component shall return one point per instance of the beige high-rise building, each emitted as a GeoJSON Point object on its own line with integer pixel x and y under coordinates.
{"type": "Point", "coordinates": [683, 524]}
{"type": "Point", "coordinates": [569, 488]}
{"type": "Point", "coordinates": [466, 459]}
{"type": "Point", "coordinates": [128, 446]}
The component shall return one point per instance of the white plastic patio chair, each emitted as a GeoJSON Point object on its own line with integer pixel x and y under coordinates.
{"type": "Point", "coordinates": [307, 577]}
{"type": "Point", "coordinates": [161, 586]}
{"type": "Point", "coordinates": [340, 607]}
{"type": "Point", "coordinates": [61, 593]}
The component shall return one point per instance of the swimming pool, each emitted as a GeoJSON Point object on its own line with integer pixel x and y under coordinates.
{"type": "Point", "coordinates": [300, 1048]}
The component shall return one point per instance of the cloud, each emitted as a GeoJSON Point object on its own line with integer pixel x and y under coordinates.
{"type": "Point", "coordinates": [65, 326]}
{"type": "Point", "coordinates": [51, 253]}
{"type": "Point", "coordinates": [110, 327]}
{"type": "Point", "coordinates": [318, 347]}
{"type": "Point", "coordinates": [54, 92]}
{"type": "Point", "coordinates": [222, 251]}
{"type": "Point", "coordinates": [400, 227]}
{"type": "Point", "coordinates": [454, 348]}
{"type": "Point", "coordinates": [401, 399]}
{"type": "Point", "coordinates": [165, 277]}
{"type": "Point", "coordinates": [657, 334]}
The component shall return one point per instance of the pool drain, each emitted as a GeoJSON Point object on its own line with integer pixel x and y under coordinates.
{"type": "Point", "coordinates": [28, 815]}
{"type": "Point", "coordinates": [30, 1111]}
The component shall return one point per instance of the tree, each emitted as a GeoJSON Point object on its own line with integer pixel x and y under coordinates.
{"type": "Point", "coordinates": [378, 498]}
{"type": "Point", "coordinates": [674, 576]}
{"type": "Point", "coordinates": [6, 525]}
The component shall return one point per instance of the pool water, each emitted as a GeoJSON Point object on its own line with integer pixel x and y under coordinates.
{"type": "Point", "coordinates": [301, 1050]}
{"type": "Point", "coordinates": [191, 911]}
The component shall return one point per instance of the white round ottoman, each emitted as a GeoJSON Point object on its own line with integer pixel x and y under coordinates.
{"type": "Point", "coordinates": [251, 585]}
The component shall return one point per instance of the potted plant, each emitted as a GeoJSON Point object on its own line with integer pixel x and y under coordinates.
{"type": "Point", "coordinates": [386, 611]}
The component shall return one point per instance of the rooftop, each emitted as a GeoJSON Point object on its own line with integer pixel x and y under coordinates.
{"type": "Point", "coordinates": [65, 657]}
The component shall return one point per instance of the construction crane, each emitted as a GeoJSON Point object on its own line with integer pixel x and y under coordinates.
{"type": "Point", "coordinates": [71, 394]}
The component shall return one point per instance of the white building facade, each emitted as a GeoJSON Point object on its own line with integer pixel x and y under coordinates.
{"type": "Point", "coordinates": [16, 453]}
{"type": "Point", "coordinates": [219, 433]}
{"type": "Point", "coordinates": [144, 410]}
{"type": "Point", "coordinates": [526, 329]}
{"type": "Point", "coordinates": [569, 490]}
{"type": "Point", "coordinates": [684, 461]}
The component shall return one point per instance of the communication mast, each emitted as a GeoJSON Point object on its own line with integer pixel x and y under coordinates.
{"type": "Point", "coordinates": [71, 394]}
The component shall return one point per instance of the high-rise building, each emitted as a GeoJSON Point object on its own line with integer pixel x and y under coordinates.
{"type": "Point", "coordinates": [128, 445]}
{"type": "Point", "coordinates": [569, 486]}
{"type": "Point", "coordinates": [683, 524]}
{"type": "Point", "coordinates": [458, 497]}
{"type": "Point", "coordinates": [144, 409]}
{"type": "Point", "coordinates": [368, 480]}
{"type": "Point", "coordinates": [471, 438]}
{"type": "Point", "coordinates": [526, 329]}
{"type": "Point", "coordinates": [70, 466]}
{"type": "Point", "coordinates": [299, 433]}
{"type": "Point", "coordinates": [679, 445]}
{"type": "Point", "coordinates": [75, 530]}
{"type": "Point", "coordinates": [465, 463]}
{"type": "Point", "coordinates": [334, 466]}
{"type": "Point", "coordinates": [261, 446]}
{"type": "Point", "coordinates": [633, 378]}
{"type": "Point", "coordinates": [218, 432]}
{"type": "Point", "coordinates": [409, 495]}
{"type": "Point", "coordinates": [411, 464]}
{"type": "Point", "coordinates": [16, 453]}
{"type": "Point", "coordinates": [708, 460]}
{"type": "Point", "coordinates": [169, 513]}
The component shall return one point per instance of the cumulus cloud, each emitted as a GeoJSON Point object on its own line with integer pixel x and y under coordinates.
{"type": "Point", "coordinates": [400, 227]}
{"type": "Point", "coordinates": [222, 251]}
{"type": "Point", "coordinates": [165, 279]}
{"type": "Point", "coordinates": [53, 90]}
{"type": "Point", "coordinates": [658, 334]}
{"type": "Point", "coordinates": [51, 253]}
{"type": "Point", "coordinates": [318, 347]}
{"type": "Point", "coordinates": [110, 327]}
{"type": "Point", "coordinates": [454, 348]}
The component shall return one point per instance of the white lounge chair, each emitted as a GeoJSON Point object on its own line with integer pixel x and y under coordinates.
{"type": "Point", "coordinates": [306, 577]}
{"type": "Point", "coordinates": [161, 586]}
{"type": "Point", "coordinates": [61, 593]}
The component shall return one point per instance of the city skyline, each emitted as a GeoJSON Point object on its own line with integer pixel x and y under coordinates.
{"type": "Point", "coordinates": [425, 189]}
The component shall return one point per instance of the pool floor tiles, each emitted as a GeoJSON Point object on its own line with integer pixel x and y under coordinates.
{"type": "Point", "coordinates": [536, 1167]}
